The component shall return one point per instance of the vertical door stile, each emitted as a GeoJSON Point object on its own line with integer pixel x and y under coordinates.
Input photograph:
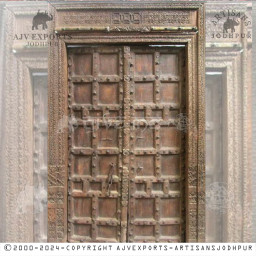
{"type": "Point", "coordinates": [126, 143]}
{"type": "Point", "coordinates": [94, 142]}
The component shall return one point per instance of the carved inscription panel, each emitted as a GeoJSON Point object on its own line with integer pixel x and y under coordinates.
{"type": "Point", "coordinates": [126, 152]}
{"type": "Point", "coordinates": [127, 18]}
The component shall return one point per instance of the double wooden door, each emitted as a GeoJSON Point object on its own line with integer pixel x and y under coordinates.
{"type": "Point", "coordinates": [126, 145]}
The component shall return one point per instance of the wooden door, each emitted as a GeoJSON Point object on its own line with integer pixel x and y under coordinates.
{"type": "Point", "coordinates": [157, 150]}
{"type": "Point", "coordinates": [126, 147]}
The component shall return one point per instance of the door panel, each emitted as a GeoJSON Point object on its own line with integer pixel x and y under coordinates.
{"type": "Point", "coordinates": [96, 144]}
{"type": "Point", "coordinates": [155, 200]}
{"type": "Point", "coordinates": [126, 154]}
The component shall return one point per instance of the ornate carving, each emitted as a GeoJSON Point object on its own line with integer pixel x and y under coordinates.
{"type": "Point", "coordinates": [192, 176]}
{"type": "Point", "coordinates": [56, 176]}
{"type": "Point", "coordinates": [127, 29]}
{"type": "Point", "coordinates": [134, 19]}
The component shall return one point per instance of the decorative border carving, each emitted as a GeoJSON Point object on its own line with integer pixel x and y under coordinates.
{"type": "Point", "coordinates": [17, 139]}
{"type": "Point", "coordinates": [58, 109]}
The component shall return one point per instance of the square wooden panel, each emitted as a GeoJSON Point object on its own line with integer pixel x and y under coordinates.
{"type": "Point", "coordinates": [82, 230]}
{"type": "Point", "coordinates": [144, 232]}
{"type": "Point", "coordinates": [144, 137]}
{"type": "Point", "coordinates": [82, 64]}
{"type": "Point", "coordinates": [113, 113]}
{"type": "Point", "coordinates": [107, 208]}
{"type": "Point", "coordinates": [169, 137]}
{"type": "Point", "coordinates": [145, 165]}
{"type": "Point", "coordinates": [140, 187]}
{"type": "Point", "coordinates": [143, 64]}
{"type": "Point", "coordinates": [169, 93]}
{"type": "Point", "coordinates": [94, 114]}
{"type": "Point", "coordinates": [107, 232]}
{"type": "Point", "coordinates": [144, 208]}
{"type": "Point", "coordinates": [157, 114]}
{"type": "Point", "coordinates": [77, 186]}
{"type": "Point", "coordinates": [144, 92]}
{"type": "Point", "coordinates": [82, 136]}
{"type": "Point", "coordinates": [108, 93]}
{"type": "Point", "coordinates": [170, 230]}
{"type": "Point", "coordinates": [105, 162]}
{"type": "Point", "coordinates": [107, 137]}
{"type": "Point", "coordinates": [139, 113]}
{"type": "Point", "coordinates": [169, 64]}
{"type": "Point", "coordinates": [95, 187]}
{"type": "Point", "coordinates": [82, 93]}
{"type": "Point", "coordinates": [82, 207]}
{"type": "Point", "coordinates": [108, 64]}
{"type": "Point", "coordinates": [170, 165]}
{"type": "Point", "coordinates": [170, 208]}
{"type": "Point", "coordinates": [81, 165]}
{"type": "Point", "coordinates": [157, 187]}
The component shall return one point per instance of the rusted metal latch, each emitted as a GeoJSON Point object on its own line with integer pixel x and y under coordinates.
{"type": "Point", "coordinates": [140, 168]}
{"type": "Point", "coordinates": [110, 177]}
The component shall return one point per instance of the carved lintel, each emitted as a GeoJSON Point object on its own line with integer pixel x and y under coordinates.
{"type": "Point", "coordinates": [124, 29]}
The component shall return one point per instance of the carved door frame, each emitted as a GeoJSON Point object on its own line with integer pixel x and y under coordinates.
{"type": "Point", "coordinates": [189, 32]}
{"type": "Point", "coordinates": [232, 57]}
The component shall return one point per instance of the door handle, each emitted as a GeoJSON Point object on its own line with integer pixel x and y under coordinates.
{"type": "Point", "coordinates": [110, 177]}
{"type": "Point", "coordinates": [139, 169]}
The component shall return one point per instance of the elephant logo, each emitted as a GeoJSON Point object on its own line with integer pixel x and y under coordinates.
{"type": "Point", "coordinates": [40, 19]}
{"type": "Point", "coordinates": [230, 24]}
